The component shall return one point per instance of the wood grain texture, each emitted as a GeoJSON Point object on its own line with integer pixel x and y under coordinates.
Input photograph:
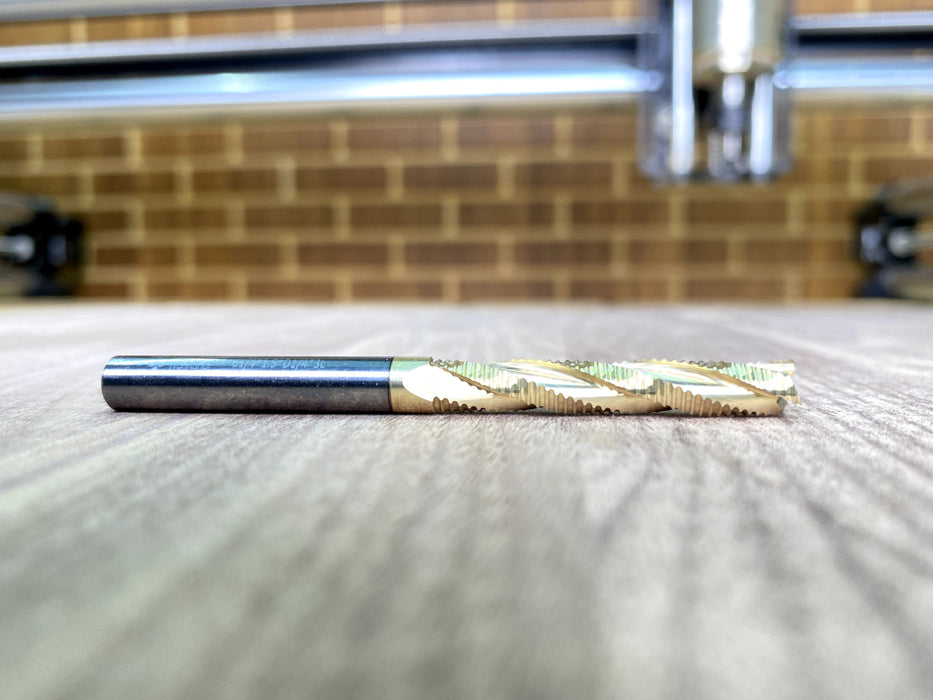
{"type": "Point", "coordinates": [245, 556]}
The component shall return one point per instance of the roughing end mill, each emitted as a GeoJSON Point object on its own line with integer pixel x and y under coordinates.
{"type": "Point", "coordinates": [424, 385]}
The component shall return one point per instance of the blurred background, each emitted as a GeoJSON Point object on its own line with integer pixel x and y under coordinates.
{"type": "Point", "coordinates": [459, 150]}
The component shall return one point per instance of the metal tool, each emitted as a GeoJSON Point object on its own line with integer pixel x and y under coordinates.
{"type": "Point", "coordinates": [715, 110]}
{"type": "Point", "coordinates": [40, 249]}
{"type": "Point", "coordinates": [424, 385]}
{"type": "Point", "coordinates": [894, 237]}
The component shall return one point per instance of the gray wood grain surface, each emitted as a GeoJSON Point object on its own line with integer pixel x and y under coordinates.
{"type": "Point", "coordinates": [247, 556]}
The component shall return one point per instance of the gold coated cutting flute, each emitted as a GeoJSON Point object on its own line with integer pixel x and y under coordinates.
{"type": "Point", "coordinates": [425, 385]}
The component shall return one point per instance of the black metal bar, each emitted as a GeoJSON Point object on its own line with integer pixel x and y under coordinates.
{"type": "Point", "coordinates": [273, 384]}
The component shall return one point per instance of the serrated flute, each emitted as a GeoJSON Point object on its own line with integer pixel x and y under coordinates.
{"type": "Point", "coordinates": [425, 385]}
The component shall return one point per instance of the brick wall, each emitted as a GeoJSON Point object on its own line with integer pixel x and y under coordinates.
{"type": "Point", "coordinates": [470, 204]}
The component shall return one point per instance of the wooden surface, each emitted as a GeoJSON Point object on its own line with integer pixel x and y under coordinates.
{"type": "Point", "coordinates": [242, 556]}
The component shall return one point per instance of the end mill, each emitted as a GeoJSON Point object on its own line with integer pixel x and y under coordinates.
{"type": "Point", "coordinates": [425, 385]}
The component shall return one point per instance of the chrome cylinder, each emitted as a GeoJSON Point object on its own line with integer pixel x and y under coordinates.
{"type": "Point", "coordinates": [744, 37]}
{"type": "Point", "coordinates": [249, 384]}
{"type": "Point", "coordinates": [714, 111]}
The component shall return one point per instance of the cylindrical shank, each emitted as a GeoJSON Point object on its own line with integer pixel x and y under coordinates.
{"type": "Point", "coordinates": [248, 384]}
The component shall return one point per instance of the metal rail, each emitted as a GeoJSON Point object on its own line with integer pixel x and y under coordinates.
{"type": "Point", "coordinates": [45, 59]}
{"type": "Point", "coordinates": [21, 10]}
{"type": "Point", "coordinates": [862, 23]}
{"type": "Point", "coordinates": [542, 60]}
{"type": "Point", "coordinates": [587, 78]}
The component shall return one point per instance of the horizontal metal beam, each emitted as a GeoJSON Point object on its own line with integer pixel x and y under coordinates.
{"type": "Point", "coordinates": [814, 34]}
{"type": "Point", "coordinates": [586, 77]}
{"type": "Point", "coordinates": [20, 10]}
{"type": "Point", "coordinates": [590, 76]}
{"type": "Point", "coordinates": [854, 79]}
{"type": "Point", "coordinates": [37, 59]}
{"type": "Point", "coordinates": [862, 23]}
{"type": "Point", "coordinates": [529, 61]}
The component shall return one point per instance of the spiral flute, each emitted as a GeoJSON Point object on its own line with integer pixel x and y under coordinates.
{"type": "Point", "coordinates": [425, 385]}
{"type": "Point", "coordinates": [695, 388]}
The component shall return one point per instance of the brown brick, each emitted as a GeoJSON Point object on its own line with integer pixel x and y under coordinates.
{"type": "Point", "coordinates": [290, 289]}
{"type": "Point", "coordinates": [558, 9]}
{"type": "Point", "coordinates": [517, 290]}
{"type": "Point", "coordinates": [44, 184]}
{"type": "Point", "coordinates": [99, 220]}
{"type": "Point", "coordinates": [350, 178]}
{"type": "Point", "coordinates": [65, 148]}
{"type": "Point", "coordinates": [745, 211]}
{"type": "Point", "coordinates": [144, 182]}
{"type": "Point", "coordinates": [639, 182]}
{"type": "Point", "coordinates": [669, 252]}
{"type": "Point", "coordinates": [732, 289]}
{"type": "Point", "coordinates": [387, 216]}
{"type": "Point", "coordinates": [605, 131]}
{"type": "Point", "coordinates": [158, 257]}
{"type": "Point", "coordinates": [237, 255]}
{"type": "Point", "coordinates": [563, 175]}
{"type": "Point", "coordinates": [450, 177]}
{"type": "Point", "coordinates": [185, 218]}
{"type": "Point", "coordinates": [396, 289]}
{"type": "Point", "coordinates": [343, 254]}
{"type": "Point", "coordinates": [194, 289]}
{"type": "Point", "coordinates": [563, 253]}
{"type": "Point", "coordinates": [234, 180]}
{"type": "Point", "coordinates": [703, 251]}
{"type": "Point", "coordinates": [833, 130]}
{"type": "Point", "coordinates": [813, 7]}
{"type": "Point", "coordinates": [450, 253]}
{"type": "Point", "coordinates": [817, 170]}
{"type": "Point", "coordinates": [620, 290]}
{"type": "Point", "coordinates": [502, 214]}
{"type": "Point", "coordinates": [56, 31]}
{"type": "Point", "coordinates": [144, 257]}
{"type": "Point", "coordinates": [289, 139]}
{"type": "Point", "coordinates": [324, 17]}
{"type": "Point", "coordinates": [831, 211]}
{"type": "Point", "coordinates": [290, 217]}
{"type": "Point", "coordinates": [834, 287]}
{"type": "Point", "coordinates": [898, 5]}
{"type": "Point", "coordinates": [632, 212]}
{"type": "Point", "coordinates": [882, 169]}
{"type": "Point", "coordinates": [785, 250]}
{"type": "Point", "coordinates": [109, 290]}
{"type": "Point", "coordinates": [13, 150]}
{"type": "Point", "coordinates": [231, 22]}
{"type": "Point", "coordinates": [117, 256]}
{"type": "Point", "coordinates": [129, 27]}
{"type": "Point", "coordinates": [181, 142]}
{"type": "Point", "coordinates": [403, 137]}
{"type": "Point", "coordinates": [438, 11]}
{"type": "Point", "coordinates": [505, 133]}
{"type": "Point", "coordinates": [830, 250]}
